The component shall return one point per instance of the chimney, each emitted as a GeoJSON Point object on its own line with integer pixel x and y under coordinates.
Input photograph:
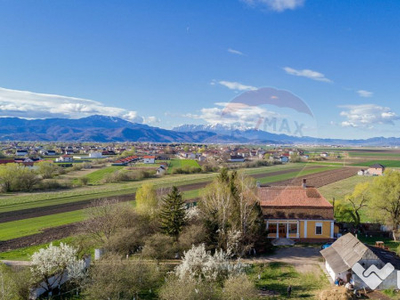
{"type": "Point", "coordinates": [304, 184]}
{"type": "Point", "coordinates": [258, 184]}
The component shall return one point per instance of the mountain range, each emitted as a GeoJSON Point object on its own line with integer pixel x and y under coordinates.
{"type": "Point", "coordinates": [111, 129]}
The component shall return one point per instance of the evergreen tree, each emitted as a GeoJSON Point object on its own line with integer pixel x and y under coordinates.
{"type": "Point", "coordinates": [173, 213]}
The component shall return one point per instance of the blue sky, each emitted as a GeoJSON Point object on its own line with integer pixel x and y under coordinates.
{"type": "Point", "coordinates": [167, 63]}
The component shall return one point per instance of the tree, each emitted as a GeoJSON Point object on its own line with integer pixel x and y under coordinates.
{"type": "Point", "coordinates": [146, 199]}
{"type": "Point", "coordinates": [49, 266]}
{"type": "Point", "coordinates": [201, 265]}
{"type": "Point", "coordinates": [8, 176]}
{"type": "Point", "coordinates": [47, 169]}
{"type": "Point", "coordinates": [358, 200]}
{"type": "Point", "coordinates": [173, 213]}
{"type": "Point", "coordinates": [159, 246]}
{"type": "Point", "coordinates": [129, 152]}
{"type": "Point", "coordinates": [232, 213]}
{"type": "Point", "coordinates": [106, 217]}
{"type": "Point", "coordinates": [385, 199]}
{"type": "Point", "coordinates": [26, 179]}
{"type": "Point", "coordinates": [113, 278]}
{"type": "Point", "coordinates": [294, 157]}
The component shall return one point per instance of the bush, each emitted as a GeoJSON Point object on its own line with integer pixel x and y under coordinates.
{"type": "Point", "coordinates": [187, 289]}
{"type": "Point", "coordinates": [53, 184]}
{"type": "Point", "coordinates": [84, 180]}
{"type": "Point", "coordinates": [238, 288]}
{"type": "Point", "coordinates": [116, 278]}
{"type": "Point", "coordinates": [124, 175]}
{"type": "Point", "coordinates": [159, 246]}
{"type": "Point", "coordinates": [77, 167]}
{"type": "Point", "coordinates": [192, 235]}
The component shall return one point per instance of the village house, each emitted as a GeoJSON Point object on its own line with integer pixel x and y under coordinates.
{"type": "Point", "coordinates": [21, 152]}
{"type": "Point", "coordinates": [300, 213]}
{"type": "Point", "coordinates": [65, 158]}
{"type": "Point", "coordinates": [236, 158]}
{"type": "Point", "coordinates": [162, 169]}
{"type": "Point", "coordinates": [376, 170]}
{"type": "Point", "coordinates": [348, 256]}
{"type": "Point", "coordinates": [149, 159]}
{"type": "Point", "coordinates": [96, 155]}
{"type": "Point", "coordinates": [324, 154]}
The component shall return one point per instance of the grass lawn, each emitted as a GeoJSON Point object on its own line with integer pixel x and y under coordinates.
{"type": "Point", "coordinates": [269, 179]}
{"type": "Point", "coordinates": [386, 163]}
{"type": "Point", "coordinates": [20, 228]}
{"type": "Point", "coordinates": [340, 189]}
{"type": "Point", "coordinates": [371, 241]}
{"type": "Point", "coordinates": [96, 177]}
{"type": "Point", "coordinates": [26, 253]}
{"type": "Point", "coordinates": [373, 154]}
{"type": "Point", "coordinates": [326, 163]}
{"type": "Point", "coordinates": [274, 168]}
{"type": "Point", "coordinates": [180, 163]}
{"type": "Point", "coordinates": [192, 194]}
{"type": "Point", "coordinates": [278, 276]}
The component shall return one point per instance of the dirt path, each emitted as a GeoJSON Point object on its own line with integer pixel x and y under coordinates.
{"type": "Point", "coordinates": [304, 259]}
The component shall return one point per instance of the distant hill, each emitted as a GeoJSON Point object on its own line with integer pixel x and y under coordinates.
{"type": "Point", "coordinates": [91, 129]}
{"type": "Point", "coordinates": [111, 129]}
{"type": "Point", "coordinates": [260, 136]}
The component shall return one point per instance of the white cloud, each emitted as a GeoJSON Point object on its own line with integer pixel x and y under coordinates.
{"type": "Point", "coordinates": [233, 51]}
{"type": "Point", "coordinates": [152, 120]}
{"type": "Point", "coordinates": [308, 74]}
{"type": "Point", "coordinates": [25, 104]}
{"type": "Point", "coordinates": [241, 115]}
{"type": "Point", "coordinates": [237, 86]}
{"type": "Point", "coordinates": [367, 115]}
{"type": "Point", "coordinates": [364, 93]}
{"type": "Point", "coordinates": [276, 5]}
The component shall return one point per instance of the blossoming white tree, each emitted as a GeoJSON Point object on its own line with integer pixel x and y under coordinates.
{"type": "Point", "coordinates": [55, 264]}
{"type": "Point", "coordinates": [200, 264]}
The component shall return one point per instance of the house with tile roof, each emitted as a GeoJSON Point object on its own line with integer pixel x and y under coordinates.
{"type": "Point", "coordinates": [300, 213]}
{"type": "Point", "coordinates": [376, 170]}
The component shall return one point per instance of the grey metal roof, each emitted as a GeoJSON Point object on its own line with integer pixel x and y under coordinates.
{"type": "Point", "coordinates": [344, 253]}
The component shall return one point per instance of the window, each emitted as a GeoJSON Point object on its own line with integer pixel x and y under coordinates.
{"type": "Point", "coordinates": [293, 228]}
{"type": "Point", "coordinates": [318, 228]}
{"type": "Point", "coordinates": [272, 228]}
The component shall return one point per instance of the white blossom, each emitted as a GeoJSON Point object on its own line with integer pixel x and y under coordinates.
{"type": "Point", "coordinates": [198, 263]}
{"type": "Point", "coordinates": [49, 265]}
{"type": "Point", "coordinates": [192, 213]}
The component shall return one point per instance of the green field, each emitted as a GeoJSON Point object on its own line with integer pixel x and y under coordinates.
{"type": "Point", "coordinates": [180, 163]}
{"type": "Point", "coordinates": [11, 202]}
{"type": "Point", "coordinates": [386, 163]}
{"type": "Point", "coordinates": [25, 253]}
{"type": "Point", "coordinates": [340, 189]}
{"type": "Point", "coordinates": [373, 154]}
{"type": "Point", "coordinates": [16, 229]}
{"type": "Point", "coordinates": [192, 194]}
{"type": "Point", "coordinates": [96, 177]}
{"type": "Point", "coordinates": [270, 179]}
